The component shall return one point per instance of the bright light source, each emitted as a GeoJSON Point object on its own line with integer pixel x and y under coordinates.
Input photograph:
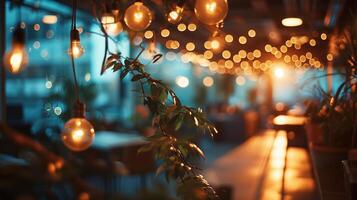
{"type": "Point", "coordinates": [279, 72]}
{"type": "Point", "coordinates": [291, 21]}
{"type": "Point", "coordinates": [182, 81]}
{"type": "Point", "coordinates": [208, 81]}
{"type": "Point", "coordinates": [240, 80]}
{"type": "Point", "coordinates": [49, 19]}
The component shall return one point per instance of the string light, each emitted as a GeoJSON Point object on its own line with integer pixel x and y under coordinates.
{"type": "Point", "coordinates": [211, 12]}
{"type": "Point", "coordinates": [137, 16]}
{"type": "Point", "coordinates": [112, 26]}
{"type": "Point", "coordinates": [76, 50]}
{"type": "Point", "coordinates": [16, 59]}
{"type": "Point", "coordinates": [78, 133]}
{"type": "Point", "coordinates": [174, 15]}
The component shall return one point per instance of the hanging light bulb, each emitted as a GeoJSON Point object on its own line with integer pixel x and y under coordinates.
{"type": "Point", "coordinates": [174, 11]}
{"type": "Point", "coordinates": [78, 134]}
{"type": "Point", "coordinates": [16, 59]}
{"type": "Point", "coordinates": [76, 49]}
{"type": "Point", "coordinates": [138, 16]}
{"type": "Point", "coordinates": [211, 12]}
{"type": "Point", "coordinates": [112, 26]}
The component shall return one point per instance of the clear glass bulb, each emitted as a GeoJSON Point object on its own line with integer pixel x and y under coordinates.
{"type": "Point", "coordinates": [138, 17]}
{"type": "Point", "coordinates": [16, 59]}
{"type": "Point", "coordinates": [78, 134]}
{"type": "Point", "coordinates": [175, 15]}
{"type": "Point", "coordinates": [76, 49]}
{"type": "Point", "coordinates": [211, 12]}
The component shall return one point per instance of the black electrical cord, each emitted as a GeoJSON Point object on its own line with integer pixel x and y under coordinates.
{"type": "Point", "coordinates": [73, 27]}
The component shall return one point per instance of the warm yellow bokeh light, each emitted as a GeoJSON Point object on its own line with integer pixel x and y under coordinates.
{"type": "Point", "coordinates": [250, 56]}
{"type": "Point", "coordinates": [148, 34]}
{"type": "Point", "coordinates": [165, 32]}
{"type": "Point", "coordinates": [283, 49]}
{"type": "Point", "coordinates": [323, 36]}
{"type": "Point", "coordinates": [242, 40]}
{"type": "Point", "coordinates": [312, 42]}
{"type": "Point", "coordinates": [240, 80]}
{"type": "Point", "coordinates": [208, 54]}
{"type": "Point", "coordinates": [182, 81]}
{"type": "Point", "coordinates": [208, 81]}
{"type": "Point", "coordinates": [228, 38]}
{"type": "Point", "coordinates": [192, 27]}
{"type": "Point", "coordinates": [257, 53]}
{"type": "Point", "coordinates": [251, 33]}
{"type": "Point", "coordinates": [236, 58]}
{"type": "Point", "coordinates": [329, 57]}
{"type": "Point", "coordinates": [242, 53]}
{"type": "Point", "coordinates": [226, 54]}
{"type": "Point", "coordinates": [190, 46]}
{"type": "Point", "coordinates": [291, 21]}
{"type": "Point", "coordinates": [268, 48]}
{"type": "Point", "coordinates": [229, 64]}
{"type": "Point", "coordinates": [181, 27]}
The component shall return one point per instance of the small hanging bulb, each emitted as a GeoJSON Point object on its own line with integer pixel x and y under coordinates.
{"type": "Point", "coordinates": [174, 15]}
{"type": "Point", "coordinates": [211, 12]}
{"type": "Point", "coordinates": [16, 59]}
{"type": "Point", "coordinates": [112, 26]}
{"type": "Point", "coordinates": [76, 49]}
{"type": "Point", "coordinates": [138, 17]}
{"type": "Point", "coordinates": [78, 133]}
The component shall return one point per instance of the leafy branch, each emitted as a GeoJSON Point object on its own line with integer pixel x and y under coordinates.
{"type": "Point", "coordinates": [169, 118]}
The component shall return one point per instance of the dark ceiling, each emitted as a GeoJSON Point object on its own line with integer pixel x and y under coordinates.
{"type": "Point", "coordinates": [264, 16]}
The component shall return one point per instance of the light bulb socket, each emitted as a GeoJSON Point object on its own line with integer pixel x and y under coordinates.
{"type": "Point", "coordinates": [18, 36]}
{"type": "Point", "coordinates": [79, 109]}
{"type": "Point", "coordinates": [75, 35]}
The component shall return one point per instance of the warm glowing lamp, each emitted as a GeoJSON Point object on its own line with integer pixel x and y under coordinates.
{"type": "Point", "coordinates": [16, 59]}
{"type": "Point", "coordinates": [292, 21]}
{"type": "Point", "coordinates": [78, 133]}
{"type": "Point", "coordinates": [138, 17]}
{"type": "Point", "coordinates": [112, 26]}
{"type": "Point", "coordinates": [76, 49]}
{"type": "Point", "coordinates": [211, 12]}
{"type": "Point", "coordinates": [174, 13]}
